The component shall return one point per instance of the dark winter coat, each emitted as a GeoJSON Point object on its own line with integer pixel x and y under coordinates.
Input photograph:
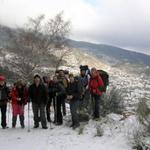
{"type": "Point", "coordinates": [4, 95]}
{"type": "Point", "coordinates": [38, 95]}
{"type": "Point", "coordinates": [63, 80]}
{"type": "Point", "coordinates": [74, 89]}
{"type": "Point", "coordinates": [56, 89]}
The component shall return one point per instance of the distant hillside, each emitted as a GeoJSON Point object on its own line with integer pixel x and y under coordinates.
{"type": "Point", "coordinates": [112, 54]}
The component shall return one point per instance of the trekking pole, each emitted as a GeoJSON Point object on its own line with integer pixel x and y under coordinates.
{"type": "Point", "coordinates": [56, 109]}
{"type": "Point", "coordinates": [29, 117]}
{"type": "Point", "coordinates": [93, 106]}
{"type": "Point", "coordinates": [51, 123]}
{"type": "Point", "coordinates": [8, 116]}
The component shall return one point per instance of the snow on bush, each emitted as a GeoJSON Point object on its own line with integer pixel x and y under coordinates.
{"type": "Point", "coordinates": [112, 102]}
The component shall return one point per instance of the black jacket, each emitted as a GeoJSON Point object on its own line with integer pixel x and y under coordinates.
{"type": "Point", "coordinates": [38, 95]}
{"type": "Point", "coordinates": [75, 89]}
{"type": "Point", "coordinates": [56, 88]}
{"type": "Point", "coordinates": [4, 95]}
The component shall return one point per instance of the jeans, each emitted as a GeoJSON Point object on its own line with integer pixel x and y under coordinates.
{"type": "Point", "coordinates": [74, 105]}
{"type": "Point", "coordinates": [36, 109]}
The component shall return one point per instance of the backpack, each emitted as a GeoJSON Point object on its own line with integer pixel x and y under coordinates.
{"type": "Point", "coordinates": [105, 77]}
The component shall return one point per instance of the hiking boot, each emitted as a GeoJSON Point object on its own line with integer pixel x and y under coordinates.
{"type": "Point", "coordinates": [22, 126]}
{"type": "Point", "coordinates": [96, 118]}
{"type": "Point", "coordinates": [13, 126]}
{"type": "Point", "coordinates": [49, 120]}
{"type": "Point", "coordinates": [5, 127]}
{"type": "Point", "coordinates": [76, 126]}
{"type": "Point", "coordinates": [36, 126]}
{"type": "Point", "coordinates": [59, 123]}
{"type": "Point", "coordinates": [71, 125]}
{"type": "Point", "coordinates": [44, 127]}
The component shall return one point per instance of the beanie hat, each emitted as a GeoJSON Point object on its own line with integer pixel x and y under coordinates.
{"type": "Point", "coordinates": [37, 76]}
{"type": "Point", "coordinates": [2, 78]}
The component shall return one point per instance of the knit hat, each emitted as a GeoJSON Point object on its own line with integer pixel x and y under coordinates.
{"type": "Point", "coordinates": [37, 76]}
{"type": "Point", "coordinates": [71, 75]}
{"type": "Point", "coordinates": [2, 78]}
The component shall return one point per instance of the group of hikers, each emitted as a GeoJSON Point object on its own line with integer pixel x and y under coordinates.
{"type": "Point", "coordinates": [46, 92]}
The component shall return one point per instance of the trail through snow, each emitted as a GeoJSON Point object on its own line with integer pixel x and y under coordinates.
{"type": "Point", "coordinates": [62, 138]}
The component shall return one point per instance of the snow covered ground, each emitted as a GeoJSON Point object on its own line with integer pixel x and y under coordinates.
{"type": "Point", "coordinates": [64, 138]}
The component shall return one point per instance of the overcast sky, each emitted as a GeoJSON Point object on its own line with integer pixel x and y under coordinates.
{"type": "Point", "coordinates": [123, 23]}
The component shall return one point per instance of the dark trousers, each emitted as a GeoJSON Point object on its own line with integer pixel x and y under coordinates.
{"type": "Point", "coordinates": [84, 102]}
{"type": "Point", "coordinates": [36, 109]}
{"type": "Point", "coordinates": [96, 105]}
{"type": "Point", "coordinates": [63, 98]}
{"type": "Point", "coordinates": [74, 105]}
{"type": "Point", "coordinates": [48, 111]}
{"type": "Point", "coordinates": [3, 115]}
{"type": "Point", "coordinates": [14, 120]}
{"type": "Point", "coordinates": [58, 114]}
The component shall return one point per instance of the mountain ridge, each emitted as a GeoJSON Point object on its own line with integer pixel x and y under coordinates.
{"type": "Point", "coordinates": [107, 53]}
{"type": "Point", "coordinates": [103, 51]}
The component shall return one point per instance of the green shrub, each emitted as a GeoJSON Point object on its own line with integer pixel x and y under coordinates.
{"type": "Point", "coordinates": [143, 114]}
{"type": "Point", "coordinates": [112, 102]}
{"type": "Point", "coordinates": [141, 138]}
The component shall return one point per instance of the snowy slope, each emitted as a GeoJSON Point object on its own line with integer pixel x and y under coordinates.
{"type": "Point", "coordinates": [133, 86]}
{"type": "Point", "coordinates": [64, 138]}
{"type": "Point", "coordinates": [116, 132]}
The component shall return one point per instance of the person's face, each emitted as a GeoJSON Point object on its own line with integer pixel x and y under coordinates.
{"type": "Point", "coordinates": [61, 73]}
{"type": "Point", "coordinates": [47, 79]}
{"type": "Point", "coordinates": [19, 86]}
{"type": "Point", "coordinates": [67, 76]}
{"type": "Point", "coordinates": [71, 79]}
{"type": "Point", "coordinates": [37, 80]}
{"type": "Point", "coordinates": [94, 73]}
{"type": "Point", "coordinates": [55, 79]}
{"type": "Point", "coordinates": [83, 72]}
{"type": "Point", "coordinates": [2, 83]}
{"type": "Point", "coordinates": [22, 82]}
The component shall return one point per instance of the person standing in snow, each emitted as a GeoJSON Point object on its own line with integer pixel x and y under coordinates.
{"type": "Point", "coordinates": [74, 91]}
{"type": "Point", "coordinates": [46, 81]}
{"type": "Point", "coordinates": [95, 85]}
{"type": "Point", "coordinates": [56, 90]}
{"type": "Point", "coordinates": [19, 95]}
{"type": "Point", "coordinates": [84, 79]}
{"type": "Point", "coordinates": [4, 96]}
{"type": "Point", "coordinates": [38, 95]}
{"type": "Point", "coordinates": [63, 80]}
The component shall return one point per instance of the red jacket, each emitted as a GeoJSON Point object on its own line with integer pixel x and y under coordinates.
{"type": "Point", "coordinates": [15, 95]}
{"type": "Point", "coordinates": [94, 84]}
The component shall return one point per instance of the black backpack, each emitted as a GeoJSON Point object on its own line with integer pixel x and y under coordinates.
{"type": "Point", "coordinates": [105, 77]}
